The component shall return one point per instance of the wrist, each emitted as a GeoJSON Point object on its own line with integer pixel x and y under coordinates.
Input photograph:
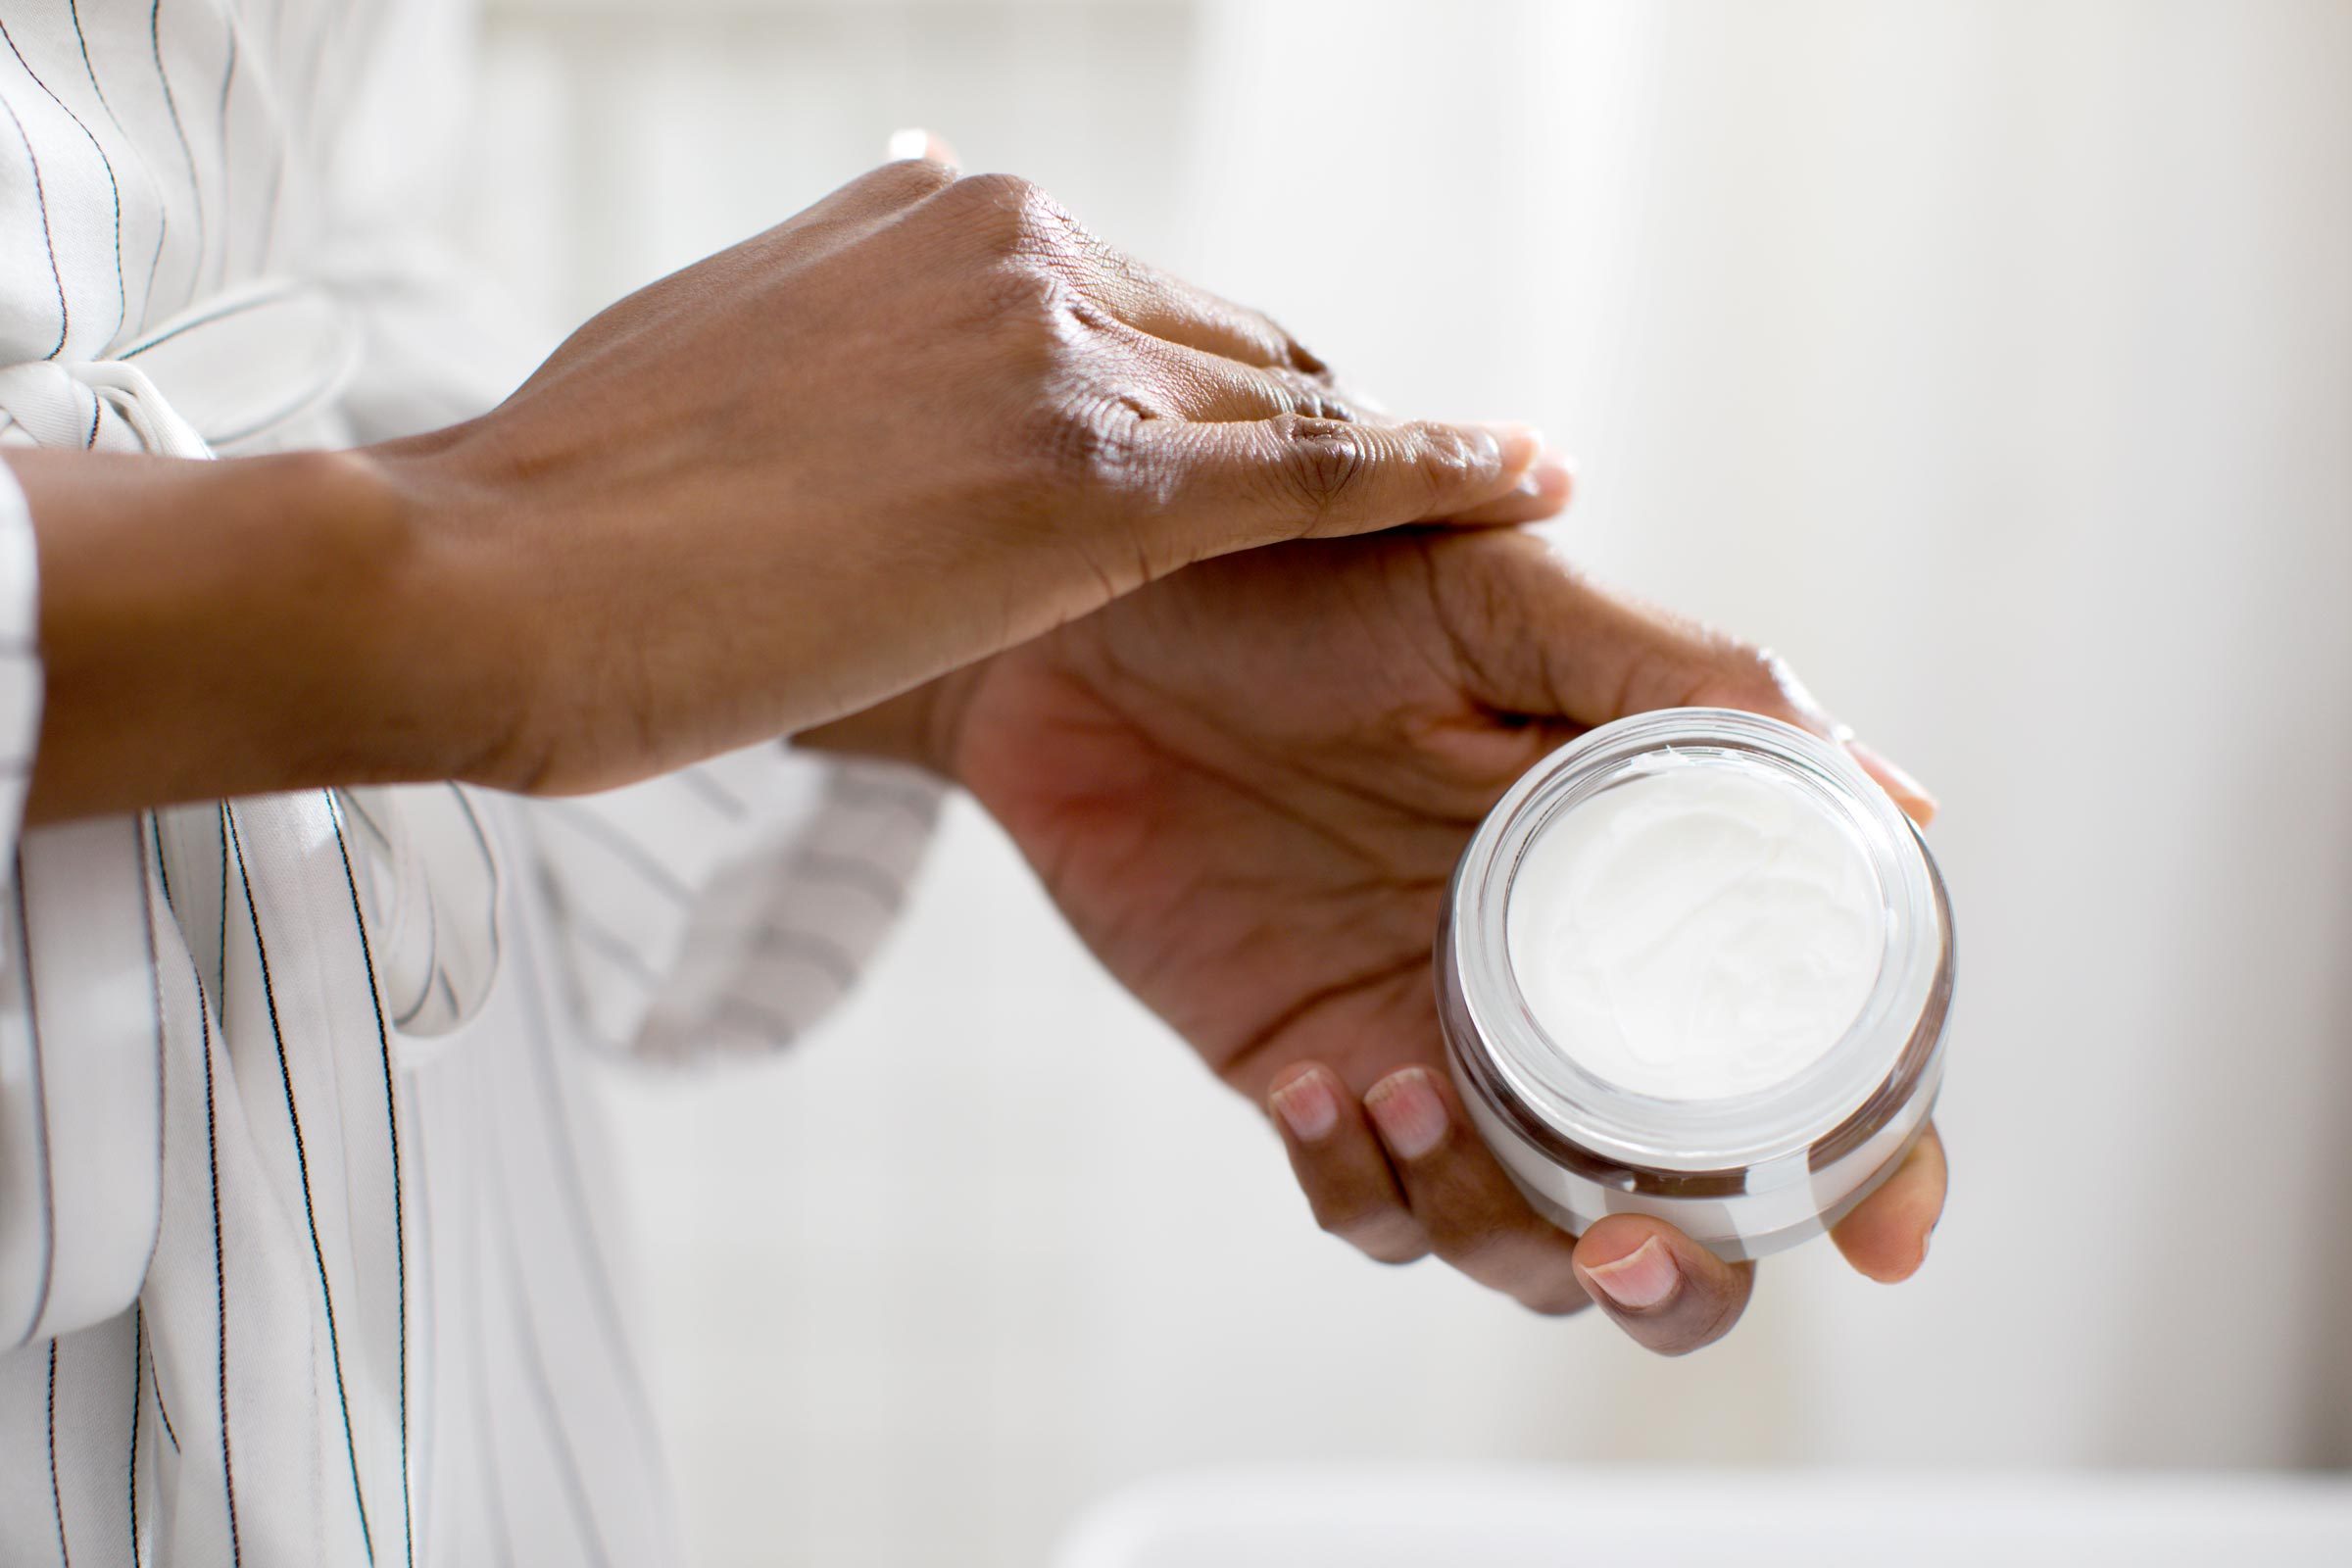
{"type": "Point", "coordinates": [920, 728]}
{"type": "Point", "coordinates": [457, 667]}
{"type": "Point", "coordinates": [239, 627]}
{"type": "Point", "coordinates": [445, 659]}
{"type": "Point", "coordinates": [590, 696]}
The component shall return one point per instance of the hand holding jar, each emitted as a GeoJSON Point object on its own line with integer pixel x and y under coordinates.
{"type": "Point", "coordinates": [1249, 788]}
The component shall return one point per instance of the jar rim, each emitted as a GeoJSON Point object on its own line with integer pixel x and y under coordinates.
{"type": "Point", "coordinates": [1886, 1051]}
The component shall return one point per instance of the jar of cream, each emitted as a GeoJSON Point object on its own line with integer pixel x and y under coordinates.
{"type": "Point", "coordinates": [1698, 964]}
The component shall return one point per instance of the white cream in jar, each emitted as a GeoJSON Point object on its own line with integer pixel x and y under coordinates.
{"type": "Point", "coordinates": [1698, 964]}
{"type": "Point", "coordinates": [1699, 931]}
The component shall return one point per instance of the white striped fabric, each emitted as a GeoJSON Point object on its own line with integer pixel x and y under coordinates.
{"type": "Point", "coordinates": [305, 1255]}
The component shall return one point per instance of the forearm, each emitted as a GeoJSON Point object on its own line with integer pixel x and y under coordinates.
{"type": "Point", "coordinates": [215, 629]}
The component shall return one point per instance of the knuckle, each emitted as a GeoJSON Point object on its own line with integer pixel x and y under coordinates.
{"type": "Point", "coordinates": [1065, 442]}
{"type": "Point", "coordinates": [1312, 398]}
{"type": "Point", "coordinates": [1078, 425]}
{"type": "Point", "coordinates": [1009, 215]}
{"type": "Point", "coordinates": [1325, 462]}
{"type": "Point", "coordinates": [909, 179]}
{"type": "Point", "coordinates": [1048, 314]}
{"type": "Point", "coordinates": [999, 193]}
{"type": "Point", "coordinates": [1083, 441]}
{"type": "Point", "coordinates": [1449, 457]}
{"type": "Point", "coordinates": [1024, 296]}
{"type": "Point", "coordinates": [1040, 329]}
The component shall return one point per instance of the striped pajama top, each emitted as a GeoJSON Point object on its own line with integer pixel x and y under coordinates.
{"type": "Point", "coordinates": [304, 1256]}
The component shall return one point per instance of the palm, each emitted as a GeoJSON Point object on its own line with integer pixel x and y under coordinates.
{"type": "Point", "coordinates": [1248, 785]}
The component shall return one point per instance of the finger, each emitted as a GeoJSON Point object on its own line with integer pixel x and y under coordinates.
{"type": "Point", "coordinates": [915, 142]}
{"type": "Point", "coordinates": [1601, 655]}
{"type": "Point", "coordinates": [1909, 793]}
{"type": "Point", "coordinates": [1543, 491]}
{"type": "Point", "coordinates": [1887, 1235]}
{"type": "Point", "coordinates": [1340, 1167]}
{"type": "Point", "coordinates": [1476, 1219]}
{"type": "Point", "coordinates": [1169, 308]}
{"type": "Point", "coordinates": [1210, 388]}
{"type": "Point", "coordinates": [1667, 1292]}
{"type": "Point", "coordinates": [1235, 485]}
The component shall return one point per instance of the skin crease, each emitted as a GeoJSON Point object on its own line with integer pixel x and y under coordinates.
{"type": "Point", "coordinates": [1246, 786]}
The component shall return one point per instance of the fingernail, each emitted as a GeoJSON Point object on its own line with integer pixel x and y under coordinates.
{"type": "Point", "coordinates": [1407, 1113]}
{"type": "Point", "coordinates": [1307, 1106]}
{"type": "Point", "coordinates": [1898, 781]}
{"type": "Point", "coordinates": [1642, 1281]}
{"type": "Point", "coordinates": [1520, 445]}
{"type": "Point", "coordinates": [1549, 479]}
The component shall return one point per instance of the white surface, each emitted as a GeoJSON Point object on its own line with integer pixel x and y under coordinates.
{"type": "Point", "coordinates": [1530, 1518]}
{"type": "Point", "coordinates": [1700, 931]}
{"type": "Point", "coordinates": [1994, 363]}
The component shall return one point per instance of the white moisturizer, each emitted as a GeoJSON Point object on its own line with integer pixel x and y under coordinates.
{"type": "Point", "coordinates": [1699, 930]}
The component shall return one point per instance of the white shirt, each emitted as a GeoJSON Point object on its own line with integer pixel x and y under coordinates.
{"type": "Point", "coordinates": [303, 1242]}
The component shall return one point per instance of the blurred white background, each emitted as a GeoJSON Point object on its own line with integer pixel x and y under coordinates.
{"type": "Point", "coordinates": [1993, 361]}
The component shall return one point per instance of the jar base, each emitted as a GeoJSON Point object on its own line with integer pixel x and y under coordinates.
{"type": "Point", "coordinates": [1705, 1221]}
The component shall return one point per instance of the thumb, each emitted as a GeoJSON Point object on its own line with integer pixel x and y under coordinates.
{"type": "Point", "coordinates": [1668, 1293]}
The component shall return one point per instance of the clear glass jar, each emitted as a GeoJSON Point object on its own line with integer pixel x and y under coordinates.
{"type": "Point", "coordinates": [1746, 1174]}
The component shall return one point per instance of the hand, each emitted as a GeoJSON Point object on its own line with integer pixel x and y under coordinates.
{"type": "Point", "coordinates": [925, 420]}
{"type": "Point", "coordinates": [1247, 787]}
{"type": "Point", "coordinates": [922, 421]}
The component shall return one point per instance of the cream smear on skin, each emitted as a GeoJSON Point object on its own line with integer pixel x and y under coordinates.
{"type": "Point", "coordinates": [1695, 932]}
